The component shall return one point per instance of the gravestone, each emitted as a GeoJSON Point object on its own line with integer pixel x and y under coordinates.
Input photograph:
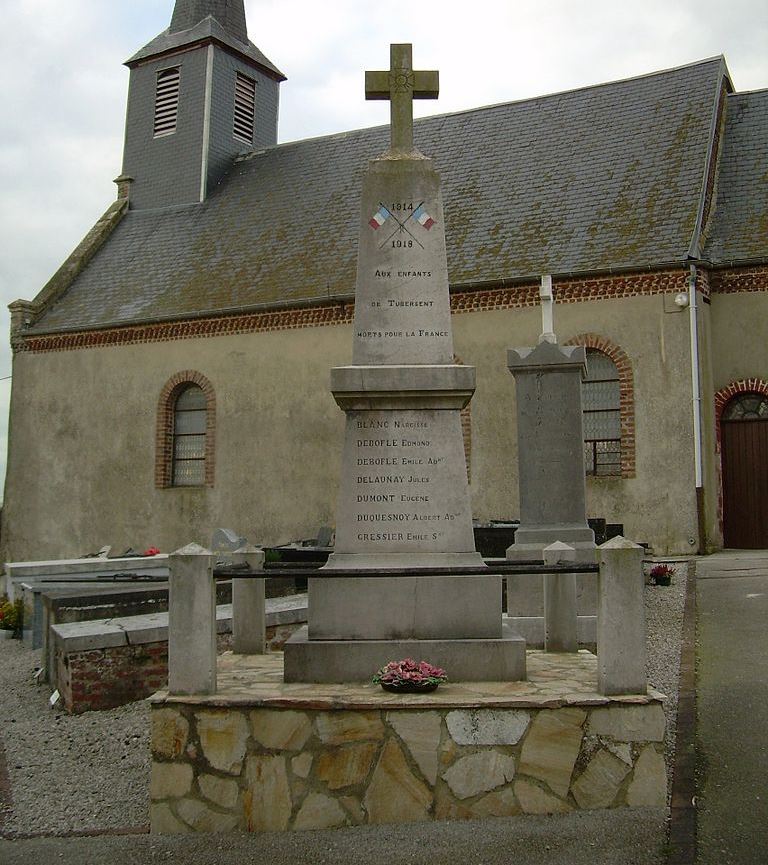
{"type": "Point", "coordinates": [224, 542]}
{"type": "Point", "coordinates": [550, 451]}
{"type": "Point", "coordinates": [403, 498]}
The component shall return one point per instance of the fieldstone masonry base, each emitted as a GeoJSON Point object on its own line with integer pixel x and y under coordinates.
{"type": "Point", "coordinates": [262, 755]}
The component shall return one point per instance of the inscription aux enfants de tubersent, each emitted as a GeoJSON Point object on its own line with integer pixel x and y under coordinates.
{"type": "Point", "coordinates": [411, 224]}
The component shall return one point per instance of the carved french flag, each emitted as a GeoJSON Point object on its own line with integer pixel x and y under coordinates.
{"type": "Point", "coordinates": [423, 218]}
{"type": "Point", "coordinates": [379, 218]}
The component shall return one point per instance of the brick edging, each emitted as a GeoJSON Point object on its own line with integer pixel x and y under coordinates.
{"type": "Point", "coordinates": [682, 823]}
{"type": "Point", "coordinates": [6, 795]}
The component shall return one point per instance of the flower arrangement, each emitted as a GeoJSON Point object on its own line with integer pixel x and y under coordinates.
{"type": "Point", "coordinates": [152, 551]}
{"type": "Point", "coordinates": [408, 675]}
{"type": "Point", "coordinates": [11, 615]}
{"type": "Point", "coordinates": [662, 574]}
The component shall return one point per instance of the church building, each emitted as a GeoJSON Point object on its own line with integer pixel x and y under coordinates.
{"type": "Point", "coordinates": [173, 376]}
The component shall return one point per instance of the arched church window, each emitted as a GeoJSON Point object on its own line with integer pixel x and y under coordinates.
{"type": "Point", "coordinates": [185, 432]}
{"type": "Point", "coordinates": [601, 404]}
{"type": "Point", "coordinates": [189, 428]}
{"type": "Point", "coordinates": [747, 406]}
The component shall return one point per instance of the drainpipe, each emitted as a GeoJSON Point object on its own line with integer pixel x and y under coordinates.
{"type": "Point", "coordinates": [696, 403]}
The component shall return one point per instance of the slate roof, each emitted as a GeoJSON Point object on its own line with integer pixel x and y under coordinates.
{"type": "Point", "coordinates": [739, 231]}
{"type": "Point", "coordinates": [603, 178]}
{"type": "Point", "coordinates": [208, 28]}
{"type": "Point", "coordinates": [230, 13]}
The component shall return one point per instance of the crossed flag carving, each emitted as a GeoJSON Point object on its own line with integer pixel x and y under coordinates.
{"type": "Point", "coordinates": [384, 213]}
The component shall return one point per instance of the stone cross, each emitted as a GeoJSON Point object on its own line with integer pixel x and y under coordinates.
{"type": "Point", "coordinates": [547, 311]}
{"type": "Point", "coordinates": [401, 85]}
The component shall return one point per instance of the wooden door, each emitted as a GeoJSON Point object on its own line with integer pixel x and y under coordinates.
{"type": "Point", "coordinates": [745, 483]}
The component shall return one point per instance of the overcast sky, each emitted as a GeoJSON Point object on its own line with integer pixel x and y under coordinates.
{"type": "Point", "coordinates": [63, 87]}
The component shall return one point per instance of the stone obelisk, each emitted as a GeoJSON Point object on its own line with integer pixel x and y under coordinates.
{"type": "Point", "coordinates": [403, 498]}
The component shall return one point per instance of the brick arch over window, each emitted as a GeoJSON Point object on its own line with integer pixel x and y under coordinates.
{"type": "Point", "coordinates": [164, 428]}
{"type": "Point", "coordinates": [626, 394]}
{"type": "Point", "coordinates": [466, 429]}
{"type": "Point", "coordinates": [736, 388]}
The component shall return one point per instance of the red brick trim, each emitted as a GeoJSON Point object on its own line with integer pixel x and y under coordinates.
{"type": "Point", "coordinates": [285, 319]}
{"type": "Point", "coordinates": [164, 426]}
{"type": "Point", "coordinates": [581, 290]}
{"type": "Point", "coordinates": [722, 398]}
{"type": "Point", "coordinates": [466, 430]}
{"type": "Point", "coordinates": [735, 279]}
{"type": "Point", "coordinates": [626, 394]}
{"type": "Point", "coordinates": [577, 290]}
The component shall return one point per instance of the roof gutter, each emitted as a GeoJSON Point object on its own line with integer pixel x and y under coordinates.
{"type": "Point", "coordinates": [695, 376]}
{"type": "Point", "coordinates": [698, 445]}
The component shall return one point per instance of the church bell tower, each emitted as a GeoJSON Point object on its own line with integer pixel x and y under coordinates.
{"type": "Point", "coordinates": [200, 94]}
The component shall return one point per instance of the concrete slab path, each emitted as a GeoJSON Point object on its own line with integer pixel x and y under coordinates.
{"type": "Point", "coordinates": [732, 698]}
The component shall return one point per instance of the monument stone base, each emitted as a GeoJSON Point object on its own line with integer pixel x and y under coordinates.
{"type": "Point", "coordinates": [262, 755]}
{"type": "Point", "coordinates": [339, 661]}
{"type": "Point", "coordinates": [397, 608]}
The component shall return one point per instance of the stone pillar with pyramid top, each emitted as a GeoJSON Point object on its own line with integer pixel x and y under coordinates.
{"type": "Point", "coordinates": [404, 498]}
{"type": "Point", "coordinates": [550, 449]}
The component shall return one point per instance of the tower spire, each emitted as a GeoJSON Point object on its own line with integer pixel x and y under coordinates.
{"type": "Point", "coordinates": [229, 13]}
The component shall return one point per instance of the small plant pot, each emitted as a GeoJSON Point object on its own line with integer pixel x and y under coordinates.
{"type": "Point", "coordinates": [409, 687]}
{"type": "Point", "coordinates": [6, 634]}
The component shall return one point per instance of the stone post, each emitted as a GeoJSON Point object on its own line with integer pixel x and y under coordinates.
{"type": "Point", "coordinates": [560, 618]}
{"type": "Point", "coordinates": [191, 622]}
{"type": "Point", "coordinates": [621, 619]}
{"type": "Point", "coordinates": [249, 632]}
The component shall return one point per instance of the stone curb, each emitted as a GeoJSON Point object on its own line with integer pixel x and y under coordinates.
{"type": "Point", "coordinates": [137, 630]}
{"type": "Point", "coordinates": [682, 824]}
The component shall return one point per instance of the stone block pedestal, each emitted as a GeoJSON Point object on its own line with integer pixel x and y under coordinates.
{"type": "Point", "coordinates": [500, 659]}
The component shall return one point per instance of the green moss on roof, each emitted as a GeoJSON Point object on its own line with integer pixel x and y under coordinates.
{"type": "Point", "coordinates": [605, 177]}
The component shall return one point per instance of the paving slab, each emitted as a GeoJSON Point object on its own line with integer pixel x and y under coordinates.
{"type": "Point", "coordinates": [732, 697]}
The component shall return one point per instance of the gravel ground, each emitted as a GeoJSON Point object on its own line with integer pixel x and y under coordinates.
{"type": "Point", "coordinates": [664, 607]}
{"type": "Point", "coordinates": [90, 773]}
{"type": "Point", "coordinates": [68, 772]}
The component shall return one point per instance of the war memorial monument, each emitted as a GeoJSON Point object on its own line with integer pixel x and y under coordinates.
{"type": "Point", "coordinates": [404, 498]}
{"type": "Point", "coordinates": [305, 740]}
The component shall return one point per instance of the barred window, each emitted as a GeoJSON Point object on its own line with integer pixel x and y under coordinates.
{"type": "Point", "coordinates": [245, 108]}
{"type": "Point", "coordinates": [167, 101]}
{"type": "Point", "coordinates": [190, 415]}
{"type": "Point", "coordinates": [600, 394]}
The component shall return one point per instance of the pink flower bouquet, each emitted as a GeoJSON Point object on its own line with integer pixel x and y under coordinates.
{"type": "Point", "coordinates": [409, 676]}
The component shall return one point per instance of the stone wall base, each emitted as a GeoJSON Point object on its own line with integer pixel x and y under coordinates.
{"type": "Point", "coordinates": [319, 758]}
